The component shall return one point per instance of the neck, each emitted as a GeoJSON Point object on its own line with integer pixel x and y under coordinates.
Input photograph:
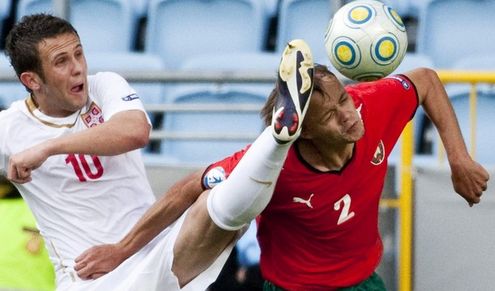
{"type": "Point", "coordinates": [36, 103]}
{"type": "Point", "coordinates": [40, 103]}
{"type": "Point", "coordinates": [328, 157]}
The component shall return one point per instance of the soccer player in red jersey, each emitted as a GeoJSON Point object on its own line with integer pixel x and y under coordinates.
{"type": "Point", "coordinates": [320, 229]}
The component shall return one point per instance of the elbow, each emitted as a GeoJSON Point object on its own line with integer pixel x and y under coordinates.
{"type": "Point", "coordinates": [432, 82]}
{"type": "Point", "coordinates": [432, 74]}
{"type": "Point", "coordinates": [427, 83]}
{"type": "Point", "coordinates": [133, 129]}
{"type": "Point", "coordinates": [141, 136]}
{"type": "Point", "coordinates": [138, 135]}
{"type": "Point", "coordinates": [426, 73]}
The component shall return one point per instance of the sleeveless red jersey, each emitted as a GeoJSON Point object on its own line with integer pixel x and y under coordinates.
{"type": "Point", "coordinates": [320, 230]}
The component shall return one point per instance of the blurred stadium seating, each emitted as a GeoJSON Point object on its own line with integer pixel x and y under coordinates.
{"type": "Point", "coordinates": [236, 62]}
{"type": "Point", "coordinates": [198, 151]}
{"type": "Point", "coordinates": [140, 7]}
{"type": "Point", "coordinates": [483, 130]}
{"type": "Point", "coordinates": [305, 19]}
{"type": "Point", "coordinates": [5, 6]}
{"type": "Point", "coordinates": [216, 26]}
{"type": "Point", "coordinates": [221, 123]}
{"type": "Point", "coordinates": [452, 29]}
{"type": "Point", "coordinates": [130, 62]}
{"type": "Point", "coordinates": [103, 25]}
{"type": "Point", "coordinates": [483, 62]}
{"type": "Point", "coordinates": [12, 90]}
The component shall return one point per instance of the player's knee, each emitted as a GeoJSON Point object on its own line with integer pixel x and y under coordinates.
{"type": "Point", "coordinates": [224, 213]}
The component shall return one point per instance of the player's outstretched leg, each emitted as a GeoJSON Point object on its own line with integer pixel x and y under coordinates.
{"type": "Point", "coordinates": [212, 222]}
{"type": "Point", "coordinates": [294, 86]}
{"type": "Point", "coordinates": [247, 191]}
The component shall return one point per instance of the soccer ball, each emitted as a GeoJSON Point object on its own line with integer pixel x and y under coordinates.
{"type": "Point", "coordinates": [366, 40]}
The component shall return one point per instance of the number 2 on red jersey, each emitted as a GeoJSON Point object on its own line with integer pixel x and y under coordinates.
{"type": "Point", "coordinates": [344, 203]}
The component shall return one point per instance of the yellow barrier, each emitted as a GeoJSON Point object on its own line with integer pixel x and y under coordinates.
{"type": "Point", "coordinates": [404, 202]}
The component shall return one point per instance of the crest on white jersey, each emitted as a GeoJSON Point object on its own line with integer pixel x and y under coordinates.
{"type": "Point", "coordinates": [93, 116]}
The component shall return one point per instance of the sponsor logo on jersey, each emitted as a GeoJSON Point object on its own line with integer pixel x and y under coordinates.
{"type": "Point", "coordinates": [404, 82]}
{"type": "Point", "coordinates": [214, 177]}
{"type": "Point", "coordinates": [93, 116]}
{"type": "Point", "coordinates": [130, 97]}
{"type": "Point", "coordinates": [306, 202]}
{"type": "Point", "coordinates": [379, 155]}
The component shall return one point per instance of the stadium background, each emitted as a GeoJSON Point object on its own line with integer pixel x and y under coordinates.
{"type": "Point", "coordinates": [215, 60]}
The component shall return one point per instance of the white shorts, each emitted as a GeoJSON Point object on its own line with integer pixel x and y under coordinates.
{"type": "Point", "coordinates": [151, 269]}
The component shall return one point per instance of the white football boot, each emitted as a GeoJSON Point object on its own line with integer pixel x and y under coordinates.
{"type": "Point", "coordinates": [294, 86]}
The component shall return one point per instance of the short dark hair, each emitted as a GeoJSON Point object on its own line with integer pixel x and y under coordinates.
{"type": "Point", "coordinates": [320, 71]}
{"type": "Point", "coordinates": [22, 41]}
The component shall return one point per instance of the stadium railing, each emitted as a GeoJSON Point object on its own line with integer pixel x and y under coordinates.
{"type": "Point", "coordinates": [405, 201]}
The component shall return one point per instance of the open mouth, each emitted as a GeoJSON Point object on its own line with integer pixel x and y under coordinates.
{"type": "Point", "coordinates": [78, 88]}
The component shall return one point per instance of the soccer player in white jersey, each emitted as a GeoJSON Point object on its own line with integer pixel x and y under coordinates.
{"type": "Point", "coordinates": [72, 149]}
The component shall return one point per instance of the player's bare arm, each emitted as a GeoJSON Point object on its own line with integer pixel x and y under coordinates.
{"type": "Point", "coordinates": [99, 260]}
{"type": "Point", "coordinates": [125, 131]}
{"type": "Point", "coordinates": [468, 177]}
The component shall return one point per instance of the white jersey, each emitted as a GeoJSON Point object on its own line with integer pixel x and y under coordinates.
{"type": "Point", "coordinates": [78, 200]}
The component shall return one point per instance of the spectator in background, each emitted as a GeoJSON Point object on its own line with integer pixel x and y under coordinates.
{"type": "Point", "coordinates": [24, 262]}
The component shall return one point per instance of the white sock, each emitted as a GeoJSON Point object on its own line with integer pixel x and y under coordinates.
{"type": "Point", "coordinates": [246, 192]}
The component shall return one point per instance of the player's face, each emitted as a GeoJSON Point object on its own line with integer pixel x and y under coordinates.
{"type": "Point", "coordinates": [332, 117]}
{"type": "Point", "coordinates": [64, 87]}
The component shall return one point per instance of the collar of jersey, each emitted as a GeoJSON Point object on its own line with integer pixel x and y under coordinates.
{"type": "Point", "coordinates": [58, 122]}
{"type": "Point", "coordinates": [310, 167]}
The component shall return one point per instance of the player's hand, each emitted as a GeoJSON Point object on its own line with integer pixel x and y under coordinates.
{"type": "Point", "coordinates": [98, 261]}
{"type": "Point", "coordinates": [21, 164]}
{"type": "Point", "coordinates": [470, 180]}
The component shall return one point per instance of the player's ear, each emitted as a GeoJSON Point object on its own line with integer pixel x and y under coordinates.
{"type": "Point", "coordinates": [31, 80]}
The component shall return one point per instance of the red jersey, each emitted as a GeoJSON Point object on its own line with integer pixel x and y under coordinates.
{"type": "Point", "coordinates": [320, 229]}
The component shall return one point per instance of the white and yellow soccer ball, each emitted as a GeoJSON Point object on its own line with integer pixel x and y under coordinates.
{"type": "Point", "coordinates": [366, 40]}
